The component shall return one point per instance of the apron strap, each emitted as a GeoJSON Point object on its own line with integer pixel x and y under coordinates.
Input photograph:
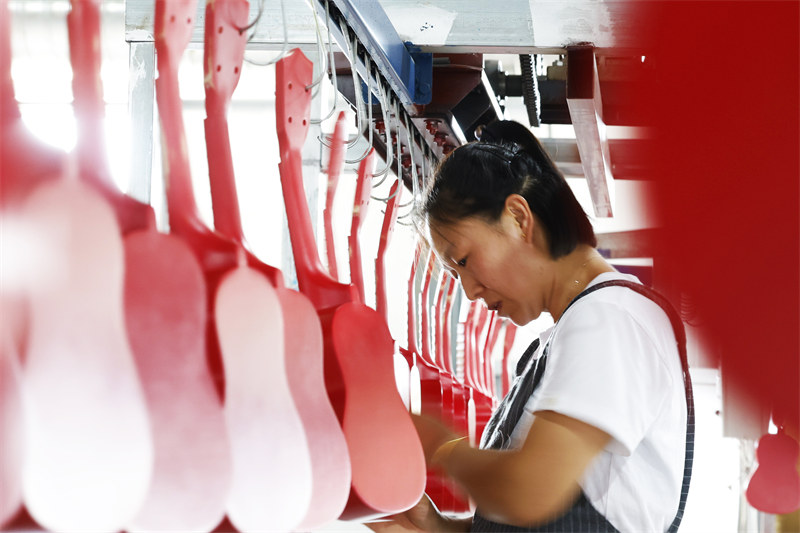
{"type": "Point", "coordinates": [680, 336]}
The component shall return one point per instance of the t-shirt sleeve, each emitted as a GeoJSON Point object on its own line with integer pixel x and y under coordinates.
{"type": "Point", "coordinates": [604, 369]}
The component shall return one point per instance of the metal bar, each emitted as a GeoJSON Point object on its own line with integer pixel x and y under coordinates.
{"type": "Point", "coordinates": [267, 33]}
{"type": "Point", "coordinates": [141, 98]}
{"type": "Point", "coordinates": [628, 156]}
{"type": "Point", "coordinates": [452, 26]}
{"type": "Point", "coordinates": [586, 111]}
{"type": "Point", "coordinates": [626, 244]}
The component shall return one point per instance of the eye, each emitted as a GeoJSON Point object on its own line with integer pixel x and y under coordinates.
{"type": "Point", "coordinates": [462, 262]}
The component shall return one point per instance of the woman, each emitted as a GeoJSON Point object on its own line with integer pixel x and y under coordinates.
{"type": "Point", "coordinates": [593, 436]}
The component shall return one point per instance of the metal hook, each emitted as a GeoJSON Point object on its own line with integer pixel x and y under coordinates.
{"type": "Point", "coordinates": [386, 200]}
{"type": "Point", "coordinates": [356, 86]}
{"type": "Point", "coordinates": [410, 211]}
{"type": "Point", "coordinates": [387, 131]}
{"type": "Point", "coordinates": [255, 20]}
{"type": "Point", "coordinates": [425, 168]}
{"type": "Point", "coordinates": [413, 174]}
{"type": "Point", "coordinates": [284, 48]}
{"type": "Point", "coordinates": [401, 217]}
{"type": "Point", "coordinates": [413, 199]}
{"type": "Point", "coordinates": [426, 164]}
{"type": "Point", "coordinates": [397, 137]}
{"type": "Point", "coordinates": [369, 107]}
{"type": "Point", "coordinates": [332, 67]}
{"type": "Point", "coordinates": [356, 90]}
{"type": "Point", "coordinates": [321, 52]}
{"type": "Point", "coordinates": [411, 155]}
{"type": "Point", "coordinates": [410, 202]}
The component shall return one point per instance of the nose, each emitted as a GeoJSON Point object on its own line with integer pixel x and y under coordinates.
{"type": "Point", "coordinates": [472, 288]}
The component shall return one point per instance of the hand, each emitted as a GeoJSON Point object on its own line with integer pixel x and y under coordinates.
{"type": "Point", "coordinates": [424, 516]}
{"type": "Point", "coordinates": [432, 434]}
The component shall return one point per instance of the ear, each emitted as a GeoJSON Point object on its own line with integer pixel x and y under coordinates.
{"type": "Point", "coordinates": [517, 207]}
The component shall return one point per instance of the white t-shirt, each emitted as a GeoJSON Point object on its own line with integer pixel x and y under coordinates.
{"type": "Point", "coordinates": [613, 363]}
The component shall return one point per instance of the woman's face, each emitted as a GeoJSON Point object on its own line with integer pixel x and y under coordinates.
{"type": "Point", "coordinates": [494, 264]}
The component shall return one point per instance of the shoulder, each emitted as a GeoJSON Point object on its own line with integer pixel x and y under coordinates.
{"type": "Point", "coordinates": [617, 311]}
{"type": "Point", "coordinates": [612, 363]}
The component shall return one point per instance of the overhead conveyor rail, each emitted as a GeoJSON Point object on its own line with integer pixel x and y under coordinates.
{"type": "Point", "coordinates": [423, 63]}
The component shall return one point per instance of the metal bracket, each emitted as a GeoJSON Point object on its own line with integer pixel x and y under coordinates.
{"type": "Point", "coordinates": [586, 111]}
{"type": "Point", "coordinates": [406, 69]}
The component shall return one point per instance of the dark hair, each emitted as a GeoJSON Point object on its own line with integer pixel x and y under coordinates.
{"type": "Point", "coordinates": [475, 180]}
{"type": "Point", "coordinates": [509, 131]}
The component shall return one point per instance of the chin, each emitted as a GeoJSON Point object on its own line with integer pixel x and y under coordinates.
{"type": "Point", "coordinates": [519, 320]}
{"type": "Point", "coordinates": [523, 319]}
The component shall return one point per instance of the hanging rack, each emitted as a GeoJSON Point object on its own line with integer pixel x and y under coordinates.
{"type": "Point", "coordinates": [399, 71]}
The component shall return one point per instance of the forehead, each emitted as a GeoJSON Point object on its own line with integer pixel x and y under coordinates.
{"type": "Point", "coordinates": [448, 238]}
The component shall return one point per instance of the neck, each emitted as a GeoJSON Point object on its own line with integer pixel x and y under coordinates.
{"type": "Point", "coordinates": [573, 273]}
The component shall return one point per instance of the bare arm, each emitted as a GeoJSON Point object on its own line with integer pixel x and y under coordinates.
{"type": "Point", "coordinates": [535, 483]}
